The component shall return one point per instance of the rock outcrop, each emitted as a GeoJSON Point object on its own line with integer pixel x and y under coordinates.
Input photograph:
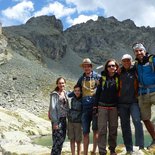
{"type": "Point", "coordinates": [108, 38]}
{"type": "Point", "coordinates": [16, 129]}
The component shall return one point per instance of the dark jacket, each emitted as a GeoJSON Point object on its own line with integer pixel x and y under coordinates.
{"type": "Point", "coordinates": [75, 110]}
{"type": "Point", "coordinates": [107, 91]}
{"type": "Point", "coordinates": [128, 91]}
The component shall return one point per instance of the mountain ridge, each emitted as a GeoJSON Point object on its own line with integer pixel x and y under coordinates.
{"type": "Point", "coordinates": [41, 51]}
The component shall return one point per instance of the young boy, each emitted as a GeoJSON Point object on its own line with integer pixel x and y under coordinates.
{"type": "Point", "coordinates": [74, 121]}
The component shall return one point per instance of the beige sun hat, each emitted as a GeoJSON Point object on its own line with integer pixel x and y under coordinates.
{"type": "Point", "coordinates": [86, 61]}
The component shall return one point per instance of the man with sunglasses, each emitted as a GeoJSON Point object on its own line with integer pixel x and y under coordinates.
{"type": "Point", "coordinates": [145, 64]}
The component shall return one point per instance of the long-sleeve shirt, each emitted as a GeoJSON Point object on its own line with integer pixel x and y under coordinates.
{"type": "Point", "coordinates": [128, 91]}
{"type": "Point", "coordinates": [58, 107]}
{"type": "Point", "coordinates": [107, 91]}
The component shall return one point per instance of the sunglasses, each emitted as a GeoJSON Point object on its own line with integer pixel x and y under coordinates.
{"type": "Point", "coordinates": [138, 50]}
{"type": "Point", "coordinates": [109, 66]}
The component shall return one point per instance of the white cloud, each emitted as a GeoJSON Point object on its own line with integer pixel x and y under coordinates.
{"type": "Point", "coordinates": [81, 19]}
{"type": "Point", "coordinates": [57, 9]}
{"type": "Point", "coordinates": [6, 22]}
{"type": "Point", "coordinates": [85, 5]}
{"type": "Point", "coordinates": [142, 12]}
{"type": "Point", "coordinates": [20, 12]}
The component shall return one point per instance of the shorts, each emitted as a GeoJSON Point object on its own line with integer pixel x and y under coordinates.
{"type": "Point", "coordinates": [74, 131]}
{"type": "Point", "coordinates": [87, 118]}
{"type": "Point", "coordinates": [145, 103]}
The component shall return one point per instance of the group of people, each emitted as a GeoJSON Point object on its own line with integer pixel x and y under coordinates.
{"type": "Point", "coordinates": [124, 91]}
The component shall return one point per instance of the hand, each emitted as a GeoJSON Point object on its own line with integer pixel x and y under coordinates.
{"type": "Point", "coordinates": [55, 127]}
{"type": "Point", "coordinates": [95, 111]}
{"type": "Point", "coordinates": [49, 117]}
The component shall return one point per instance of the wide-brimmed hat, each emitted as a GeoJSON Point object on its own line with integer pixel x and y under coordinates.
{"type": "Point", "coordinates": [86, 61]}
{"type": "Point", "coordinates": [127, 56]}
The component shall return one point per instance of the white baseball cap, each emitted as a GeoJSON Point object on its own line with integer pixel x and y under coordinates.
{"type": "Point", "coordinates": [127, 56]}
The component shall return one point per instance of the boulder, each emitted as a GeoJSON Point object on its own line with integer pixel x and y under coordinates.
{"type": "Point", "coordinates": [26, 149]}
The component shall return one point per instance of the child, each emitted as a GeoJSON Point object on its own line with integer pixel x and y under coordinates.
{"type": "Point", "coordinates": [74, 121]}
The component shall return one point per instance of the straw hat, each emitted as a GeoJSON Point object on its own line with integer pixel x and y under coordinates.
{"type": "Point", "coordinates": [86, 61]}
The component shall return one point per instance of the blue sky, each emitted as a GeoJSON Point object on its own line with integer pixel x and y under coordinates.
{"type": "Point", "coordinates": [71, 12]}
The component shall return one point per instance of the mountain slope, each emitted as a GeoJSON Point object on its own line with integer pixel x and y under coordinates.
{"type": "Point", "coordinates": [41, 51]}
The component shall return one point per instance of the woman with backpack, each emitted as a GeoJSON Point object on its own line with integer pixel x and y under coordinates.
{"type": "Point", "coordinates": [106, 107]}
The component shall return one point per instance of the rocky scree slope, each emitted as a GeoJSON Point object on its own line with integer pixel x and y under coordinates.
{"type": "Point", "coordinates": [41, 51]}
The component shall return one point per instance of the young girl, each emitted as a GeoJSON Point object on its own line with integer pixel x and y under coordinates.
{"type": "Point", "coordinates": [74, 121]}
{"type": "Point", "coordinates": [58, 113]}
{"type": "Point", "coordinates": [106, 102]}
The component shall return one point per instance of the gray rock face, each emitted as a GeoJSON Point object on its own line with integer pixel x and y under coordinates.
{"type": "Point", "coordinates": [108, 37]}
{"type": "Point", "coordinates": [40, 51]}
{"type": "Point", "coordinates": [40, 37]}
{"type": "Point", "coordinates": [3, 51]}
{"type": "Point", "coordinates": [43, 37]}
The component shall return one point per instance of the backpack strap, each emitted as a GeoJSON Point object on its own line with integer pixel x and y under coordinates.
{"type": "Point", "coordinates": [117, 82]}
{"type": "Point", "coordinates": [151, 63]}
{"type": "Point", "coordinates": [104, 80]}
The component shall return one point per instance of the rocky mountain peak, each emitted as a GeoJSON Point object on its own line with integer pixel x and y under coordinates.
{"type": "Point", "coordinates": [43, 38]}
{"type": "Point", "coordinates": [129, 23]}
{"type": "Point", "coordinates": [45, 22]}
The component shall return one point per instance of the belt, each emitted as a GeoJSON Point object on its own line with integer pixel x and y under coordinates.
{"type": "Point", "coordinates": [62, 118]}
{"type": "Point", "coordinates": [106, 108]}
{"type": "Point", "coordinates": [106, 104]}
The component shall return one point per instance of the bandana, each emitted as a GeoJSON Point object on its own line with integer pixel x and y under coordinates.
{"type": "Point", "coordinates": [139, 46]}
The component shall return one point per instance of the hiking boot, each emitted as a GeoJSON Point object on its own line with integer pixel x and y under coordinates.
{"type": "Point", "coordinates": [92, 153]}
{"type": "Point", "coordinates": [113, 153]}
{"type": "Point", "coordinates": [141, 147]}
{"type": "Point", "coordinates": [151, 145]}
{"type": "Point", "coordinates": [100, 153]}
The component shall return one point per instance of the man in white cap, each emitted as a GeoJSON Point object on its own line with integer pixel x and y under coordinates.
{"type": "Point", "coordinates": [128, 105]}
{"type": "Point", "coordinates": [146, 76]}
{"type": "Point", "coordinates": [88, 83]}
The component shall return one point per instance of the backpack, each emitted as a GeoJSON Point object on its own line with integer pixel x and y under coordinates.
{"type": "Point", "coordinates": [104, 80]}
{"type": "Point", "coordinates": [150, 62]}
